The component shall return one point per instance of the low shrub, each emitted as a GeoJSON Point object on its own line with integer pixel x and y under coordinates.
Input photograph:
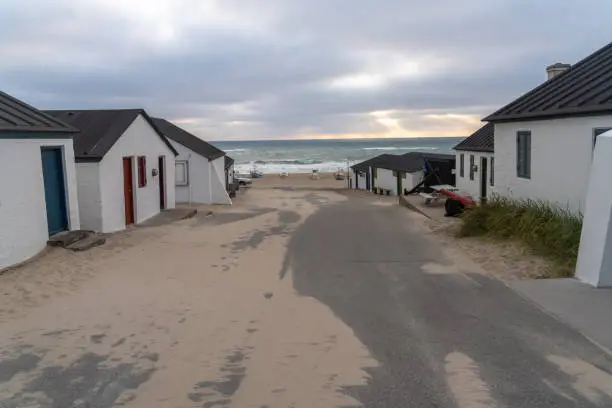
{"type": "Point", "coordinates": [547, 230]}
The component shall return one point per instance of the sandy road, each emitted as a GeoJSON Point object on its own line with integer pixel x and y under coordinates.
{"type": "Point", "coordinates": [291, 298]}
{"type": "Point", "coordinates": [192, 314]}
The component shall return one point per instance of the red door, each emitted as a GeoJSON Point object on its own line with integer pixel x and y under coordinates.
{"type": "Point", "coordinates": [162, 183]}
{"type": "Point", "coordinates": [128, 190]}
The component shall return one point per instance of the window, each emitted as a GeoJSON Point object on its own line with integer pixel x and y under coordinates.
{"type": "Point", "coordinates": [597, 132]}
{"type": "Point", "coordinates": [181, 173]}
{"type": "Point", "coordinates": [461, 165]}
{"type": "Point", "coordinates": [142, 171]}
{"type": "Point", "coordinates": [523, 154]}
{"type": "Point", "coordinates": [492, 180]}
{"type": "Point", "coordinates": [471, 167]}
{"type": "Point", "coordinates": [374, 172]}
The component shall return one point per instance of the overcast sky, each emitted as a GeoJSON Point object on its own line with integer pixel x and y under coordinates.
{"type": "Point", "coordinates": [274, 69]}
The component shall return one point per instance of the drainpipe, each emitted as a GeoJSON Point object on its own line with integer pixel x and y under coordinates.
{"type": "Point", "coordinates": [210, 170]}
{"type": "Point", "coordinates": [188, 177]}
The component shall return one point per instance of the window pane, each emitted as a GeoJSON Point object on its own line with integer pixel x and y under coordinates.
{"type": "Point", "coordinates": [523, 156]}
{"type": "Point", "coordinates": [471, 167]}
{"type": "Point", "coordinates": [492, 171]}
{"type": "Point", "coordinates": [181, 173]}
{"type": "Point", "coordinates": [461, 165]}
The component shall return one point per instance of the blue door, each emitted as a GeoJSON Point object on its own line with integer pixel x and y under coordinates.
{"type": "Point", "coordinates": [55, 192]}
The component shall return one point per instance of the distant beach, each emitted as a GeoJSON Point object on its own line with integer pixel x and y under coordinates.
{"type": "Point", "coordinates": [303, 156]}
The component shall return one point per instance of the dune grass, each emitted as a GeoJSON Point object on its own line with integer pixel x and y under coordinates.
{"type": "Point", "coordinates": [545, 229]}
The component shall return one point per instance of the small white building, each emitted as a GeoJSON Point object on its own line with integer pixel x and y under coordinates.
{"type": "Point", "coordinates": [544, 140]}
{"type": "Point", "coordinates": [401, 173]}
{"type": "Point", "coordinates": [37, 180]}
{"type": "Point", "coordinates": [200, 167]}
{"type": "Point", "coordinates": [125, 167]}
{"type": "Point", "coordinates": [475, 163]}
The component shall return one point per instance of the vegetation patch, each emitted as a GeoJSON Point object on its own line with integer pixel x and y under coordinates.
{"type": "Point", "coordinates": [545, 229]}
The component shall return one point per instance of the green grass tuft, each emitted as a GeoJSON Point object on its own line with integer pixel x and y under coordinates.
{"type": "Point", "coordinates": [547, 230]}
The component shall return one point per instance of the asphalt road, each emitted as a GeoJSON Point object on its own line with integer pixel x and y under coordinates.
{"type": "Point", "coordinates": [444, 336]}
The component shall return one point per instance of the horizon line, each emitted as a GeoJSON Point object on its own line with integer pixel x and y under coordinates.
{"type": "Point", "coordinates": [339, 138]}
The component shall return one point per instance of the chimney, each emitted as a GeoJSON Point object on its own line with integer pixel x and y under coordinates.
{"type": "Point", "coordinates": [556, 69]}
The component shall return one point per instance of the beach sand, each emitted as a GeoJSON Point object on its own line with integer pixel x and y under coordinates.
{"type": "Point", "coordinates": [301, 180]}
{"type": "Point", "coordinates": [178, 315]}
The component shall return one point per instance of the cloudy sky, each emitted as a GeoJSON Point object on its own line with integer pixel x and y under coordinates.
{"type": "Point", "coordinates": [275, 69]}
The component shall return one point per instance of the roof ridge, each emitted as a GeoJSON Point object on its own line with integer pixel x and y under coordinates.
{"type": "Point", "coordinates": [569, 93]}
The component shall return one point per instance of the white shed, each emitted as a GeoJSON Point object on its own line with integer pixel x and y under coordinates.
{"type": "Point", "coordinates": [125, 167]}
{"type": "Point", "coordinates": [200, 167]}
{"type": "Point", "coordinates": [475, 172]}
{"type": "Point", "coordinates": [544, 140]}
{"type": "Point", "coordinates": [37, 180]}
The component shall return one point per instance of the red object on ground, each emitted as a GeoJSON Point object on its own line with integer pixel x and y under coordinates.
{"type": "Point", "coordinates": [466, 201]}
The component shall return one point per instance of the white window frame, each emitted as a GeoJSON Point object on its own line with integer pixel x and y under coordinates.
{"type": "Point", "coordinates": [185, 171]}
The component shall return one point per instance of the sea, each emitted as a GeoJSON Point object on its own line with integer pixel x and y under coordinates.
{"type": "Point", "coordinates": [329, 155]}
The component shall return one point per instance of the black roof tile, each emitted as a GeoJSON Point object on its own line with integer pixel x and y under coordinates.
{"type": "Point", "coordinates": [481, 140]}
{"type": "Point", "coordinates": [179, 135]}
{"type": "Point", "coordinates": [99, 130]}
{"type": "Point", "coordinates": [17, 116]}
{"type": "Point", "coordinates": [584, 89]}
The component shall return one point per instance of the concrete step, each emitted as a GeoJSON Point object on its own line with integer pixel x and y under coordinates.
{"type": "Point", "coordinates": [78, 240]}
{"type": "Point", "coordinates": [66, 238]}
{"type": "Point", "coordinates": [89, 242]}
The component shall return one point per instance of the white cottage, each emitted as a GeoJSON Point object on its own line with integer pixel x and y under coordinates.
{"type": "Point", "coordinates": [544, 140]}
{"type": "Point", "coordinates": [37, 180]}
{"type": "Point", "coordinates": [401, 173]}
{"type": "Point", "coordinates": [475, 162]}
{"type": "Point", "coordinates": [125, 167]}
{"type": "Point", "coordinates": [200, 167]}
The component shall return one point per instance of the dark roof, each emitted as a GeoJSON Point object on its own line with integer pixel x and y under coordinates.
{"type": "Point", "coordinates": [366, 163]}
{"type": "Point", "coordinates": [409, 162]}
{"type": "Point", "coordinates": [481, 140]}
{"type": "Point", "coordinates": [584, 89]}
{"type": "Point", "coordinates": [229, 162]}
{"type": "Point", "coordinates": [436, 156]}
{"type": "Point", "coordinates": [17, 116]}
{"type": "Point", "coordinates": [188, 140]}
{"type": "Point", "coordinates": [99, 130]}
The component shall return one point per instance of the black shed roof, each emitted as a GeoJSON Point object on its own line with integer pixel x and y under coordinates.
{"type": "Point", "coordinates": [229, 162]}
{"type": "Point", "coordinates": [584, 89]}
{"type": "Point", "coordinates": [481, 140]}
{"type": "Point", "coordinates": [190, 141]}
{"type": "Point", "coordinates": [409, 162]}
{"type": "Point", "coordinates": [99, 130]}
{"type": "Point", "coordinates": [18, 116]}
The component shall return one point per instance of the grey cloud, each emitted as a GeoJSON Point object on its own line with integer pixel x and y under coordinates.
{"type": "Point", "coordinates": [492, 51]}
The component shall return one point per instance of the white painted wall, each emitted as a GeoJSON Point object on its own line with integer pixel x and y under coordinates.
{"type": "Point", "coordinates": [140, 139]}
{"type": "Point", "coordinates": [206, 178]}
{"type": "Point", "coordinates": [360, 178]}
{"type": "Point", "coordinates": [412, 179]}
{"type": "Point", "coordinates": [385, 179]}
{"type": "Point", "coordinates": [23, 213]}
{"type": "Point", "coordinates": [90, 201]}
{"type": "Point", "coordinates": [472, 187]}
{"type": "Point", "coordinates": [594, 264]}
{"type": "Point", "coordinates": [561, 156]}
{"type": "Point", "coordinates": [218, 193]}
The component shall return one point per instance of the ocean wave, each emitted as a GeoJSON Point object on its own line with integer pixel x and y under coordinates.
{"type": "Point", "coordinates": [287, 162]}
{"type": "Point", "coordinates": [293, 167]}
{"type": "Point", "coordinates": [235, 150]}
{"type": "Point", "coordinates": [400, 148]}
